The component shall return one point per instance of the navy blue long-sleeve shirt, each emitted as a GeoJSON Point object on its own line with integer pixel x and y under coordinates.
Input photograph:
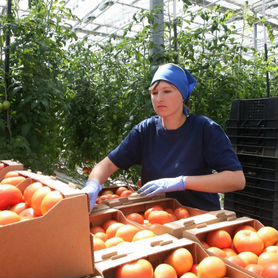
{"type": "Point", "coordinates": [198, 147]}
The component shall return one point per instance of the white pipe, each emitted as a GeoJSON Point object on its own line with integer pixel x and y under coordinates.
{"type": "Point", "coordinates": [263, 12]}
{"type": "Point", "coordinates": [174, 9]}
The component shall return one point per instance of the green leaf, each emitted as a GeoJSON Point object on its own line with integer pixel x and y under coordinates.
{"type": "Point", "coordinates": [25, 129]}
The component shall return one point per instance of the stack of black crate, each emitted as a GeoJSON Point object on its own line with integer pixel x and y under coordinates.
{"type": "Point", "coordinates": [253, 131]}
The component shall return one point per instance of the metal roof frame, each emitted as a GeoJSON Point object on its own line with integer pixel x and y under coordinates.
{"type": "Point", "coordinates": [100, 19]}
{"type": "Point", "coordinates": [99, 15]}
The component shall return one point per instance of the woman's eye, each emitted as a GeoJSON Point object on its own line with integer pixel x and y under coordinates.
{"type": "Point", "coordinates": [167, 91]}
{"type": "Point", "coordinates": [153, 93]}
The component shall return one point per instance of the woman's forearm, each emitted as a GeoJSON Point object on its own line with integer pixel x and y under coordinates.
{"type": "Point", "coordinates": [222, 182]}
{"type": "Point", "coordinates": [103, 170]}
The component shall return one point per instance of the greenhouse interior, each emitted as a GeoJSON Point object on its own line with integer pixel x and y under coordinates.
{"type": "Point", "coordinates": [131, 123]}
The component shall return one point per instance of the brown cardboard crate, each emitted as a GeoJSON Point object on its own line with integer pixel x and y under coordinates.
{"type": "Point", "coordinates": [124, 201]}
{"type": "Point", "coordinates": [98, 218]}
{"type": "Point", "coordinates": [142, 204]}
{"type": "Point", "coordinates": [114, 188]}
{"type": "Point", "coordinates": [157, 254]}
{"type": "Point", "coordinates": [175, 228]}
{"type": "Point", "coordinates": [9, 165]}
{"type": "Point", "coordinates": [30, 177]}
{"type": "Point", "coordinates": [57, 244]}
{"type": "Point", "coordinates": [198, 234]}
{"type": "Point", "coordinates": [99, 207]}
{"type": "Point", "coordinates": [50, 181]}
{"type": "Point", "coordinates": [107, 198]}
{"type": "Point", "coordinates": [201, 220]}
{"type": "Point", "coordinates": [131, 247]}
{"type": "Point", "coordinates": [59, 185]}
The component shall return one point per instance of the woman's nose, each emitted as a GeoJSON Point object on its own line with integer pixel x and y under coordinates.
{"type": "Point", "coordinates": [159, 96]}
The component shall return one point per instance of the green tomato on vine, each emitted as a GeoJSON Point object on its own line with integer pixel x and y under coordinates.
{"type": "Point", "coordinates": [6, 105]}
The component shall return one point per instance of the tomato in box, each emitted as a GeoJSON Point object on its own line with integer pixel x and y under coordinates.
{"type": "Point", "coordinates": [9, 196]}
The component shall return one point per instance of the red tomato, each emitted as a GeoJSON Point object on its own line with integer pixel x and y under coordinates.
{"type": "Point", "coordinates": [9, 196]}
{"type": "Point", "coordinates": [18, 208]}
{"type": "Point", "coordinates": [247, 240]}
{"type": "Point", "coordinates": [11, 174]}
{"type": "Point", "coordinates": [37, 199]}
{"type": "Point", "coordinates": [13, 180]}
{"type": "Point", "coordinates": [2, 165]}
{"type": "Point", "coordinates": [8, 217]}
{"type": "Point", "coordinates": [270, 270]}
{"type": "Point", "coordinates": [140, 268]}
{"type": "Point", "coordinates": [30, 190]}
{"type": "Point", "coordinates": [27, 213]}
{"type": "Point", "coordinates": [51, 199]}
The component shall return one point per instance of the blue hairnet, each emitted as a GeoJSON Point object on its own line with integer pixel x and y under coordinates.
{"type": "Point", "coordinates": [182, 79]}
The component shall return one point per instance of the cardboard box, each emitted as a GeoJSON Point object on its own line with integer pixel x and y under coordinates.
{"type": "Point", "coordinates": [99, 207]}
{"type": "Point", "coordinates": [59, 185]}
{"type": "Point", "coordinates": [157, 254]}
{"type": "Point", "coordinates": [51, 181]}
{"type": "Point", "coordinates": [199, 221]}
{"type": "Point", "coordinates": [175, 228]}
{"type": "Point", "coordinates": [57, 244]}
{"type": "Point", "coordinates": [99, 218]}
{"type": "Point", "coordinates": [106, 199]}
{"type": "Point", "coordinates": [140, 205]}
{"type": "Point", "coordinates": [115, 188]}
{"type": "Point", "coordinates": [9, 165]}
{"type": "Point", "coordinates": [131, 247]}
{"type": "Point", "coordinates": [198, 234]}
{"type": "Point", "coordinates": [124, 201]}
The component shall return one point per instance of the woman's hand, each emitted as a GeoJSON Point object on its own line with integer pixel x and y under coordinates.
{"type": "Point", "coordinates": [92, 188]}
{"type": "Point", "coordinates": [156, 187]}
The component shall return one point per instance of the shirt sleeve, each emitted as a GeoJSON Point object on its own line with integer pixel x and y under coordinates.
{"type": "Point", "coordinates": [219, 152]}
{"type": "Point", "coordinates": [128, 152]}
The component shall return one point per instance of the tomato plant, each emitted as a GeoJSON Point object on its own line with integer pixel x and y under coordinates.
{"type": "Point", "coordinates": [70, 101]}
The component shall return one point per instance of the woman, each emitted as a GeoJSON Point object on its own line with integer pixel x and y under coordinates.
{"type": "Point", "coordinates": [188, 157]}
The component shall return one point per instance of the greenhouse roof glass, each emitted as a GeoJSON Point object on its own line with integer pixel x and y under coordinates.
{"type": "Point", "coordinates": [99, 19]}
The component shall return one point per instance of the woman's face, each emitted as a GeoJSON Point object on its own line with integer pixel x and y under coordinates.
{"type": "Point", "coordinates": [166, 99]}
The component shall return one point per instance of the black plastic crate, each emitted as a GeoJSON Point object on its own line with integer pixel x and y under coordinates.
{"type": "Point", "coordinates": [267, 221]}
{"type": "Point", "coordinates": [255, 211]}
{"type": "Point", "coordinates": [267, 151]}
{"type": "Point", "coordinates": [263, 173]}
{"type": "Point", "coordinates": [252, 200]}
{"type": "Point", "coordinates": [252, 131]}
{"type": "Point", "coordinates": [251, 123]}
{"type": "Point", "coordinates": [251, 192]}
{"type": "Point", "coordinates": [261, 183]}
{"type": "Point", "coordinates": [253, 109]}
{"type": "Point", "coordinates": [254, 141]}
{"type": "Point", "coordinates": [255, 161]}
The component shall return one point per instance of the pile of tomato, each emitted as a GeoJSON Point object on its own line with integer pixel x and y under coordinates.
{"type": "Point", "coordinates": [20, 205]}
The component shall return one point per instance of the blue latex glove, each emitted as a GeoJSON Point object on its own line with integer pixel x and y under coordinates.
{"type": "Point", "coordinates": [156, 187]}
{"type": "Point", "coordinates": [92, 188]}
